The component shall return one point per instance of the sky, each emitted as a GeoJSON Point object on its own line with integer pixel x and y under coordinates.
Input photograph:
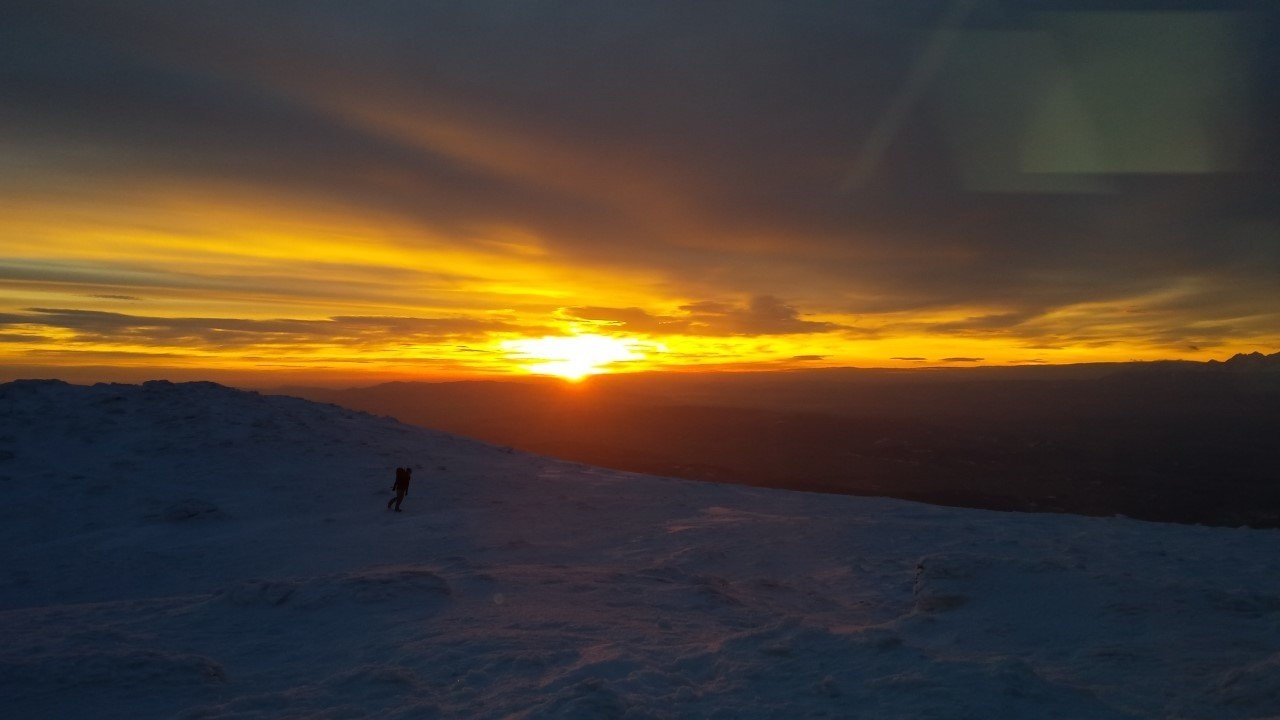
{"type": "Point", "coordinates": [393, 189]}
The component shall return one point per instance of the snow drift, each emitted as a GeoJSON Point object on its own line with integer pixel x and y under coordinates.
{"type": "Point", "coordinates": [200, 552]}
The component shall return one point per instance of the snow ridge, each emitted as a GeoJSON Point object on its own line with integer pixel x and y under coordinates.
{"type": "Point", "coordinates": [189, 550]}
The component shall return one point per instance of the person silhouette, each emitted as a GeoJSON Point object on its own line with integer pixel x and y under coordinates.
{"type": "Point", "coordinates": [400, 488]}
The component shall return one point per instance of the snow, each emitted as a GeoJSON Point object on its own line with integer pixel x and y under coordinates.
{"type": "Point", "coordinates": [194, 551]}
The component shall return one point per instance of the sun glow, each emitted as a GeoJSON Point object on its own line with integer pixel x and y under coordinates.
{"type": "Point", "coordinates": [573, 357]}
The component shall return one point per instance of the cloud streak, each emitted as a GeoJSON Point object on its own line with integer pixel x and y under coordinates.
{"type": "Point", "coordinates": [761, 315]}
{"type": "Point", "coordinates": [93, 327]}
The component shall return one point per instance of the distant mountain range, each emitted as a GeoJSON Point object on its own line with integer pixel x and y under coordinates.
{"type": "Point", "coordinates": [1251, 361]}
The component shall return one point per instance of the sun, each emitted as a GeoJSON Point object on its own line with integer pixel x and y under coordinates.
{"type": "Point", "coordinates": [572, 357]}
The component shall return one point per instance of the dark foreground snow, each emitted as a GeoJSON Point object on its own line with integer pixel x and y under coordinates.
{"type": "Point", "coordinates": [198, 552]}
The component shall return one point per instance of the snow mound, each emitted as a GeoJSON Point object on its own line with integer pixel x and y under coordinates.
{"type": "Point", "coordinates": [404, 584]}
{"type": "Point", "coordinates": [192, 551]}
{"type": "Point", "coordinates": [72, 668]}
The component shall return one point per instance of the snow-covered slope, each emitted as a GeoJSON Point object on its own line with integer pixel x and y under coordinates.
{"type": "Point", "coordinates": [195, 551]}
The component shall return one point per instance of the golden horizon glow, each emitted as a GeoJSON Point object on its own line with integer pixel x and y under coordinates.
{"type": "Point", "coordinates": [573, 357]}
{"type": "Point", "coordinates": [246, 295]}
{"type": "Point", "coordinates": [233, 285]}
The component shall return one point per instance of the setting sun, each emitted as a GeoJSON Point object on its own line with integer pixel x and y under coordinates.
{"type": "Point", "coordinates": [573, 357]}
